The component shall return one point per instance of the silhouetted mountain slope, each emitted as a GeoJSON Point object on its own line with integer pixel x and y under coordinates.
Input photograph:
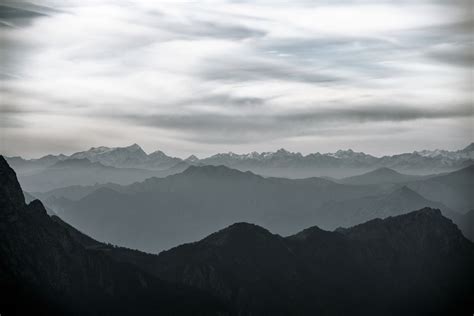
{"type": "Point", "coordinates": [31, 166]}
{"type": "Point", "coordinates": [46, 269]}
{"type": "Point", "coordinates": [416, 263]}
{"type": "Point", "coordinates": [159, 213]}
{"type": "Point", "coordinates": [453, 189]}
{"type": "Point", "coordinates": [380, 176]}
{"type": "Point", "coordinates": [73, 192]}
{"type": "Point", "coordinates": [355, 211]}
{"type": "Point", "coordinates": [162, 212]}
{"type": "Point", "coordinates": [81, 172]}
{"type": "Point", "coordinates": [466, 224]}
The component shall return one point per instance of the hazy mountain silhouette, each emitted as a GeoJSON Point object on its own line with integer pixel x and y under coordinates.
{"type": "Point", "coordinates": [82, 172]}
{"type": "Point", "coordinates": [354, 211]}
{"type": "Point", "coordinates": [390, 267]}
{"type": "Point", "coordinates": [281, 163]}
{"type": "Point", "coordinates": [159, 213]}
{"type": "Point", "coordinates": [453, 189]}
{"type": "Point", "coordinates": [380, 176]}
{"type": "Point", "coordinates": [162, 212]}
{"type": "Point", "coordinates": [132, 156]}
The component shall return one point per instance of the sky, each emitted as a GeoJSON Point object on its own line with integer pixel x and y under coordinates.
{"type": "Point", "coordinates": [212, 76]}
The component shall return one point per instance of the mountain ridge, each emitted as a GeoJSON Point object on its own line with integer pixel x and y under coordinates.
{"type": "Point", "coordinates": [390, 266]}
{"type": "Point", "coordinates": [46, 269]}
{"type": "Point", "coordinates": [269, 163]}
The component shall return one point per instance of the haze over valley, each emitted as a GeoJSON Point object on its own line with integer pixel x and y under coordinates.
{"type": "Point", "coordinates": [154, 202]}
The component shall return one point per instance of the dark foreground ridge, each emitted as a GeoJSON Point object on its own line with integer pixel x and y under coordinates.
{"type": "Point", "coordinates": [414, 264]}
{"type": "Point", "coordinates": [45, 268]}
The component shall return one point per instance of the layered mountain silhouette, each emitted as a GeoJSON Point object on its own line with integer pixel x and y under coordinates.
{"type": "Point", "coordinates": [46, 270]}
{"type": "Point", "coordinates": [418, 263]}
{"type": "Point", "coordinates": [359, 210]}
{"type": "Point", "coordinates": [82, 171]}
{"type": "Point", "coordinates": [452, 189]}
{"type": "Point", "coordinates": [380, 176]}
{"type": "Point", "coordinates": [281, 163]}
{"type": "Point", "coordinates": [375, 262]}
{"type": "Point", "coordinates": [162, 212]}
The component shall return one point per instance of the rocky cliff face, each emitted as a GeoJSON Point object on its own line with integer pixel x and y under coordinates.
{"type": "Point", "coordinates": [43, 267]}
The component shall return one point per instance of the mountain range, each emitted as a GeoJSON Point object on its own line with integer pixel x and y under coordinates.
{"type": "Point", "coordinates": [46, 270]}
{"type": "Point", "coordinates": [413, 264]}
{"type": "Point", "coordinates": [159, 213]}
{"type": "Point", "coordinates": [281, 163]}
{"type": "Point", "coordinates": [81, 171]}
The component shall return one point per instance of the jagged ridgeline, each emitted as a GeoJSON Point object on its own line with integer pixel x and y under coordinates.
{"type": "Point", "coordinates": [125, 165]}
{"type": "Point", "coordinates": [413, 264]}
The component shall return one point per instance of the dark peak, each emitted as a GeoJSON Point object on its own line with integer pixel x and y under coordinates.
{"type": "Point", "coordinates": [36, 207]}
{"type": "Point", "coordinates": [426, 221]}
{"type": "Point", "coordinates": [427, 211]}
{"type": "Point", "coordinates": [238, 233]}
{"type": "Point", "coordinates": [309, 233]}
{"type": "Point", "coordinates": [216, 171]}
{"type": "Point", "coordinates": [11, 194]}
{"type": "Point", "coordinates": [245, 227]}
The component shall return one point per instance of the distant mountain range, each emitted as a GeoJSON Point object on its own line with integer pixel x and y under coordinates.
{"type": "Point", "coordinates": [413, 264]}
{"type": "Point", "coordinates": [280, 163]}
{"type": "Point", "coordinates": [159, 213]}
{"type": "Point", "coordinates": [81, 171]}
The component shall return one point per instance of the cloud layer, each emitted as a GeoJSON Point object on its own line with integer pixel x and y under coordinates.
{"type": "Point", "coordinates": [186, 77]}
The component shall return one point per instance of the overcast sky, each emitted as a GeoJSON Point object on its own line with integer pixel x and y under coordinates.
{"type": "Point", "coordinates": [215, 76]}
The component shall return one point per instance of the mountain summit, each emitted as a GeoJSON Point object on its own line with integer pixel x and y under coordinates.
{"type": "Point", "coordinates": [379, 176]}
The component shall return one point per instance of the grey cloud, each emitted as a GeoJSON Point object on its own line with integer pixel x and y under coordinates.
{"type": "Point", "coordinates": [235, 69]}
{"type": "Point", "coordinates": [227, 101]}
{"type": "Point", "coordinates": [22, 13]}
{"type": "Point", "coordinates": [213, 128]}
{"type": "Point", "coordinates": [214, 29]}
{"type": "Point", "coordinates": [384, 113]}
{"type": "Point", "coordinates": [460, 56]}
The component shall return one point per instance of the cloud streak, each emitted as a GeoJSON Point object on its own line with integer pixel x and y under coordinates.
{"type": "Point", "coordinates": [226, 75]}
